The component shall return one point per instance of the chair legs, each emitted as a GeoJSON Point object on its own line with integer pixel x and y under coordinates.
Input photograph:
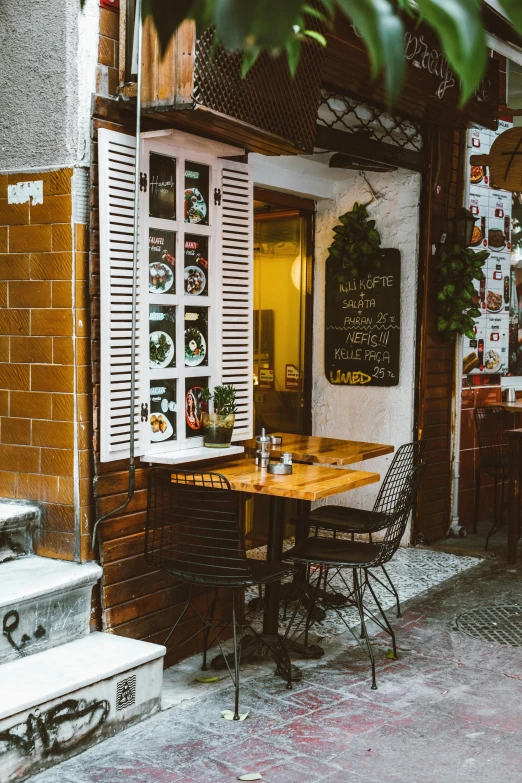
{"type": "Point", "coordinates": [364, 634]}
{"type": "Point", "coordinates": [236, 656]}
{"type": "Point", "coordinates": [498, 514]}
{"type": "Point", "coordinates": [206, 632]}
{"type": "Point", "coordinates": [477, 500]}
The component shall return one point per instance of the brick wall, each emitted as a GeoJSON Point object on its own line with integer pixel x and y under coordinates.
{"type": "Point", "coordinates": [44, 358]}
{"type": "Point", "coordinates": [107, 77]}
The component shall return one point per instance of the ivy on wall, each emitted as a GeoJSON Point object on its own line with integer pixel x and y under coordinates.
{"type": "Point", "coordinates": [357, 243]}
{"type": "Point", "coordinates": [456, 303]}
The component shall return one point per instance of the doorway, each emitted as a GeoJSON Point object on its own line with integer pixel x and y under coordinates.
{"type": "Point", "coordinates": [283, 237]}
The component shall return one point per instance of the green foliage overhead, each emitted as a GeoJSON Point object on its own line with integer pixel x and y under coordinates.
{"type": "Point", "coordinates": [456, 303]}
{"type": "Point", "coordinates": [356, 245]}
{"type": "Point", "coordinates": [252, 26]}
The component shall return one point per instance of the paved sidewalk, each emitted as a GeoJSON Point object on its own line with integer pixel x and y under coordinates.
{"type": "Point", "coordinates": [449, 711]}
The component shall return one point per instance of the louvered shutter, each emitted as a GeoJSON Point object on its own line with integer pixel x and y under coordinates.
{"type": "Point", "coordinates": [237, 266]}
{"type": "Point", "coordinates": [116, 166]}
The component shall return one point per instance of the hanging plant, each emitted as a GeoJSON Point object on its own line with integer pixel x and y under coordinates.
{"type": "Point", "coordinates": [457, 299]}
{"type": "Point", "coordinates": [357, 244]}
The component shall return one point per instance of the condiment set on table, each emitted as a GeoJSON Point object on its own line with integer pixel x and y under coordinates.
{"type": "Point", "coordinates": [264, 443]}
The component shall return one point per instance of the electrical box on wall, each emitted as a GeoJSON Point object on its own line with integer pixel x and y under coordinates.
{"type": "Point", "coordinates": [113, 4]}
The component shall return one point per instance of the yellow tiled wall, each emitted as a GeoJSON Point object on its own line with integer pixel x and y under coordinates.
{"type": "Point", "coordinates": [45, 441]}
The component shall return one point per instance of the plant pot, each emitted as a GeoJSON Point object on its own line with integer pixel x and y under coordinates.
{"type": "Point", "coordinates": [217, 429]}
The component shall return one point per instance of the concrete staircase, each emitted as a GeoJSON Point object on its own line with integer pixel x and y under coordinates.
{"type": "Point", "coordinates": [62, 688]}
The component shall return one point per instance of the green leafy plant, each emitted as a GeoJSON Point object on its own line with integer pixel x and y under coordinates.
{"type": "Point", "coordinates": [457, 299]}
{"type": "Point", "coordinates": [275, 26]}
{"type": "Point", "coordinates": [356, 245]}
{"type": "Point", "coordinates": [224, 399]}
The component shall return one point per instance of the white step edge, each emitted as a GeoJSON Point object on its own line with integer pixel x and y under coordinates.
{"type": "Point", "coordinates": [13, 514]}
{"type": "Point", "coordinates": [30, 577]}
{"type": "Point", "coordinates": [37, 679]}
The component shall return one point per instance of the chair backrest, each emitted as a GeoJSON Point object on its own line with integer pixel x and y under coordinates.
{"type": "Point", "coordinates": [405, 460]}
{"type": "Point", "coordinates": [193, 529]}
{"type": "Point", "coordinates": [491, 423]}
{"type": "Point", "coordinates": [395, 530]}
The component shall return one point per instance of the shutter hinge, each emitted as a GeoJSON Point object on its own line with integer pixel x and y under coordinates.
{"type": "Point", "coordinates": [143, 182]}
{"type": "Point", "coordinates": [217, 196]}
{"type": "Point", "coordinates": [144, 411]}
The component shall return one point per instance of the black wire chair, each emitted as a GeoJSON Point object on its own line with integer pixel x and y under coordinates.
{"type": "Point", "coordinates": [193, 533]}
{"type": "Point", "coordinates": [336, 554]}
{"type": "Point", "coordinates": [491, 423]}
{"type": "Point", "coordinates": [344, 519]}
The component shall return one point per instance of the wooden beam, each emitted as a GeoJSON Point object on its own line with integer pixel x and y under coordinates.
{"type": "Point", "coordinates": [361, 146]}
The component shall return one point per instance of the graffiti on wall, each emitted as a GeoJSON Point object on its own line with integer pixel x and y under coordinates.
{"type": "Point", "coordinates": [10, 624]}
{"type": "Point", "coordinates": [56, 730]}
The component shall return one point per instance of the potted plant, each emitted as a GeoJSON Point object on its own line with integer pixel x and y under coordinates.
{"type": "Point", "coordinates": [218, 426]}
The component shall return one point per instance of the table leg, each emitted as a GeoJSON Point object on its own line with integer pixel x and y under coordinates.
{"type": "Point", "coordinates": [274, 553]}
{"type": "Point", "coordinates": [515, 477]}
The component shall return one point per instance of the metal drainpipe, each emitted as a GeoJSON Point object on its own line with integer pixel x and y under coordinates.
{"type": "Point", "coordinates": [132, 467]}
{"type": "Point", "coordinates": [455, 529]}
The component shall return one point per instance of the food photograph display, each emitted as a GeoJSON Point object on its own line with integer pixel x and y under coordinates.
{"type": "Point", "coordinates": [196, 336]}
{"type": "Point", "coordinates": [162, 261]}
{"type": "Point", "coordinates": [197, 180]}
{"type": "Point", "coordinates": [195, 274]}
{"type": "Point", "coordinates": [489, 352]}
{"type": "Point", "coordinates": [162, 410]}
{"type": "Point", "coordinates": [162, 186]}
{"type": "Point", "coordinates": [162, 337]}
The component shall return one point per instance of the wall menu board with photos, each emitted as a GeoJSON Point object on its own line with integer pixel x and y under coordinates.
{"type": "Point", "coordinates": [362, 325]}
{"type": "Point", "coordinates": [162, 186]}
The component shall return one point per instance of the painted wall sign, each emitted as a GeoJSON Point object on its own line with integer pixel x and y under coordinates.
{"type": "Point", "coordinates": [362, 325]}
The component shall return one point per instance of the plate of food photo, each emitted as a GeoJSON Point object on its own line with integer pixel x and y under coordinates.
{"type": "Point", "coordinates": [160, 426]}
{"type": "Point", "coordinates": [492, 361]}
{"type": "Point", "coordinates": [496, 239]}
{"type": "Point", "coordinates": [161, 278]}
{"type": "Point", "coordinates": [476, 237]}
{"type": "Point", "coordinates": [195, 347]}
{"type": "Point", "coordinates": [161, 350]}
{"type": "Point", "coordinates": [195, 206]}
{"type": "Point", "coordinates": [494, 302]}
{"type": "Point", "coordinates": [195, 280]}
{"type": "Point", "coordinates": [476, 174]}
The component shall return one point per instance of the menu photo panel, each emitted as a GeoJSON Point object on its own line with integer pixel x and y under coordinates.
{"type": "Point", "coordinates": [163, 410]}
{"type": "Point", "coordinates": [162, 186]}
{"type": "Point", "coordinates": [162, 337]}
{"type": "Point", "coordinates": [196, 272]}
{"type": "Point", "coordinates": [196, 336]}
{"type": "Point", "coordinates": [194, 406]}
{"type": "Point", "coordinates": [162, 261]}
{"type": "Point", "coordinates": [197, 192]}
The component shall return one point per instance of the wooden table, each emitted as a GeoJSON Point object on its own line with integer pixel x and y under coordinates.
{"type": "Point", "coordinates": [306, 482]}
{"type": "Point", "coordinates": [512, 407]}
{"type": "Point", "coordinates": [328, 451]}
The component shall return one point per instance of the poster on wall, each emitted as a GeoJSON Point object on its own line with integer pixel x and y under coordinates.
{"type": "Point", "coordinates": [194, 406]}
{"type": "Point", "coordinates": [162, 337]}
{"type": "Point", "coordinates": [162, 261]}
{"type": "Point", "coordinates": [195, 273]}
{"type": "Point", "coordinates": [162, 186]}
{"type": "Point", "coordinates": [196, 336]}
{"type": "Point", "coordinates": [163, 407]}
{"type": "Point", "coordinates": [363, 325]}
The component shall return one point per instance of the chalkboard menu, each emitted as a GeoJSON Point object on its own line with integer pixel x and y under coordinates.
{"type": "Point", "coordinates": [362, 325]}
{"type": "Point", "coordinates": [162, 189]}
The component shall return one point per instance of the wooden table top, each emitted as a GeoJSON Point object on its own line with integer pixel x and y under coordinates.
{"type": "Point", "coordinates": [328, 451]}
{"type": "Point", "coordinates": [513, 407]}
{"type": "Point", "coordinates": [306, 482]}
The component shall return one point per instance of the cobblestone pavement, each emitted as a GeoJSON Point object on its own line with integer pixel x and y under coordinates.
{"type": "Point", "coordinates": [449, 710]}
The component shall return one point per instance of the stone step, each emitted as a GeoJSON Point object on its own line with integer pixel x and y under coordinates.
{"type": "Point", "coordinates": [17, 524]}
{"type": "Point", "coordinates": [43, 603]}
{"type": "Point", "coordinates": [59, 702]}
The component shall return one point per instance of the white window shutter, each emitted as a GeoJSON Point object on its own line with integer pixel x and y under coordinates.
{"type": "Point", "coordinates": [116, 166]}
{"type": "Point", "coordinates": [237, 269]}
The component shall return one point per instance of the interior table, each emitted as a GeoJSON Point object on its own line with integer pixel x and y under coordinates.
{"type": "Point", "coordinates": [326, 451]}
{"type": "Point", "coordinates": [306, 482]}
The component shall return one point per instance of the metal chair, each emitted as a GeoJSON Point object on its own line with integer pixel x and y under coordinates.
{"type": "Point", "coordinates": [344, 519]}
{"type": "Point", "coordinates": [193, 533]}
{"type": "Point", "coordinates": [340, 554]}
{"type": "Point", "coordinates": [491, 423]}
